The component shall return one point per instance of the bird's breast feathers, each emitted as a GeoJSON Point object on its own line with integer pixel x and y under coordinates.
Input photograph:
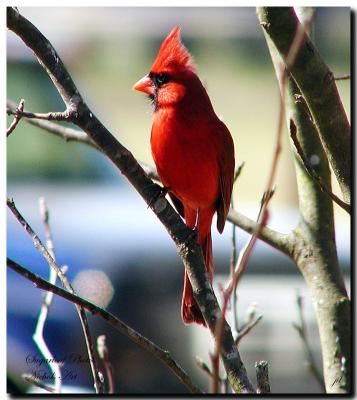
{"type": "Point", "coordinates": [186, 157]}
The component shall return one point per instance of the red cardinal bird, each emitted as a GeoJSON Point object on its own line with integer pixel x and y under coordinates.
{"type": "Point", "coordinates": [192, 149]}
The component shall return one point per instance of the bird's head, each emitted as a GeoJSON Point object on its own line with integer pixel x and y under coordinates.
{"type": "Point", "coordinates": [166, 83]}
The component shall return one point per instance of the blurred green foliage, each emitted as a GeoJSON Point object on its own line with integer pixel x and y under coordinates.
{"type": "Point", "coordinates": [34, 154]}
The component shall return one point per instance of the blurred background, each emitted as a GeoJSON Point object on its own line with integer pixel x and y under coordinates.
{"type": "Point", "coordinates": [99, 222]}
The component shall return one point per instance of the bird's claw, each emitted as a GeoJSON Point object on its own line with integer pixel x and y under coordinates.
{"type": "Point", "coordinates": [193, 235]}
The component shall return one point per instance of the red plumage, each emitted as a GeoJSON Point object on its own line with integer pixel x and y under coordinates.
{"type": "Point", "coordinates": [192, 149]}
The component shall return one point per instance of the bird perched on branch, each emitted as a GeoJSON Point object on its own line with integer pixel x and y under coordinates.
{"type": "Point", "coordinates": [192, 149]}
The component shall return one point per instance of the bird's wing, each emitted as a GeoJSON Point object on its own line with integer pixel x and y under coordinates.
{"type": "Point", "coordinates": [226, 163]}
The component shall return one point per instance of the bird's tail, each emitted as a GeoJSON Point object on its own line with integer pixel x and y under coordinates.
{"type": "Point", "coordinates": [190, 310]}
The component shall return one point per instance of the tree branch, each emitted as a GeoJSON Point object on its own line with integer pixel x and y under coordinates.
{"type": "Point", "coordinates": [262, 372]}
{"type": "Point", "coordinates": [17, 118]}
{"type": "Point", "coordinates": [68, 134]}
{"type": "Point", "coordinates": [312, 172]}
{"type": "Point", "coordinates": [189, 250]}
{"type": "Point", "coordinates": [51, 116]}
{"type": "Point", "coordinates": [315, 246]}
{"type": "Point", "coordinates": [36, 382]}
{"type": "Point", "coordinates": [81, 312]}
{"type": "Point", "coordinates": [103, 353]}
{"type": "Point", "coordinates": [38, 337]}
{"type": "Point", "coordinates": [163, 355]}
{"type": "Point", "coordinates": [302, 331]}
{"type": "Point", "coordinates": [317, 85]}
{"type": "Point", "coordinates": [234, 256]}
{"type": "Point", "coordinates": [280, 241]}
{"type": "Point", "coordinates": [244, 332]}
{"type": "Point", "coordinates": [205, 368]}
{"type": "Point", "coordinates": [342, 77]}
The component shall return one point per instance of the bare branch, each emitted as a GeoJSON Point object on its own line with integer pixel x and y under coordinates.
{"type": "Point", "coordinates": [103, 352]}
{"type": "Point", "coordinates": [51, 116]}
{"type": "Point", "coordinates": [232, 264]}
{"type": "Point", "coordinates": [238, 171]}
{"type": "Point", "coordinates": [312, 172]}
{"type": "Point", "coordinates": [317, 84]}
{"type": "Point", "coordinates": [45, 216]}
{"type": "Point", "coordinates": [244, 332]}
{"type": "Point", "coordinates": [279, 241]}
{"type": "Point", "coordinates": [219, 331]}
{"type": "Point", "coordinates": [17, 118]}
{"type": "Point", "coordinates": [68, 134]}
{"type": "Point", "coordinates": [205, 368]}
{"type": "Point", "coordinates": [81, 312]}
{"type": "Point", "coordinates": [342, 77]}
{"type": "Point", "coordinates": [115, 322]}
{"type": "Point", "coordinates": [36, 382]}
{"type": "Point", "coordinates": [38, 337]}
{"type": "Point", "coordinates": [262, 372]}
{"type": "Point", "coordinates": [302, 331]}
{"type": "Point", "coordinates": [245, 252]}
{"type": "Point", "coordinates": [234, 254]}
{"type": "Point", "coordinates": [315, 249]}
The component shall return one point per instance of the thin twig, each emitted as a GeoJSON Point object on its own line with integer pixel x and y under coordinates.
{"type": "Point", "coordinates": [247, 328]}
{"type": "Point", "coordinates": [302, 331]}
{"type": "Point", "coordinates": [163, 355]}
{"type": "Point", "coordinates": [342, 77]}
{"type": "Point", "coordinates": [234, 255]}
{"type": "Point", "coordinates": [238, 171]}
{"type": "Point", "coordinates": [232, 264]}
{"type": "Point", "coordinates": [278, 240]}
{"type": "Point", "coordinates": [36, 382]}
{"type": "Point", "coordinates": [16, 119]}
{"type": "Point", "coordinates": [81, 312]}
{"type": "Point", "coordinates": [47, 300]}
{"type": "Point", "coordinates": [245, 252]}
{"type": "Point", "coordinates": [103, 353]}
{"type": "Point", "coordinates": [51, 116]}
{"type": "Point", "coordinates": [215, 356]}
{"type": "Point", "coordinates": [205, 368]}
{"type": "Point", "coordinates": [64, 132]}
{"type": "Point", "coordinates": [262, 373]}
{"type": "Point", "coordinates": [317, 179]}
{"type": "Point", "coordinates": [45, 216]}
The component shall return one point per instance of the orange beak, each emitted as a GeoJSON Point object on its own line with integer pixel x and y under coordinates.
{"type": "Point", "coordinates": [145, 85]}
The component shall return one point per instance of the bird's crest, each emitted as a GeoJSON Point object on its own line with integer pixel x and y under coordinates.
{"type": "Point", "coordinates": [173, 55]}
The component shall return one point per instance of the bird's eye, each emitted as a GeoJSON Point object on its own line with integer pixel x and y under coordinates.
{"type": "Point", "coordinates": [161, 79]}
